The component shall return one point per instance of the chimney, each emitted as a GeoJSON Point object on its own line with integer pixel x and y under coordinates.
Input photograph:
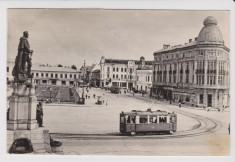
{"type": "Point", "coordinates": [165, 46]}
{"type": "Point", "coordinates": [195, 39]}
{"type": "Point", "coordinates": [190, 40]}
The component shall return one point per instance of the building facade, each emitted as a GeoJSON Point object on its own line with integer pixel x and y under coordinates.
{"type": "Point", "coordinates": [144, 75]}
{"type": "Point", "coordinates": [49, 75]}
{"type": "Point", "coordinates": [117, 72]}
{"type": "Point", "coordinates": [10, 66]}
{"type": "Point", "coordinates": [196, 72]}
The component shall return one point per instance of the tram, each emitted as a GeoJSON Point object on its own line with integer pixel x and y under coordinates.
{"type": "Point", "coordinates": [115, 89]}
{"type": "Point", "coordinates": [147, 122]}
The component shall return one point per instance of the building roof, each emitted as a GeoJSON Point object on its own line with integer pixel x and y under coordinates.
{"type": "Point", "coordinates": [177, 47]}
{"type": "Point", "coordinates": [145, 68]}
{"type": "Point", "coordinates": [210, 32]}
{"type": "Point", "coordinates": [52, 68]}
{"type": "Point", "coordinates": [121, 61]}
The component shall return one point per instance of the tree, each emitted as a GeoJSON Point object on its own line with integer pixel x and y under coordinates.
{"type": "Point", "coordinates": [74, 67]}
{"type": "Point", "coordinates": [60, 65]}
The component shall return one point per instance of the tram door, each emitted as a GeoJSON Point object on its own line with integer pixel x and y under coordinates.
{"type": "Point", "coordinates": [130, 124]}
{"type": "Point", "coordinates": [209, 100]}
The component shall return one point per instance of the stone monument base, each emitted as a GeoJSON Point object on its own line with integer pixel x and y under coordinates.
{"type": "Point", "coordinates": [39, 138]}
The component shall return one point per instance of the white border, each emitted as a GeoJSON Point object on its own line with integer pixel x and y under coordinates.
{"type": "Point", "coordinates": [137, 4]}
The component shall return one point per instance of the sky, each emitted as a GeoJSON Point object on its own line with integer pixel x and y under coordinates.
{"type": "Point", "coordinates": [70, 36]}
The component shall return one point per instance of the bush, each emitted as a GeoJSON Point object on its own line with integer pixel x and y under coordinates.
{"type": "Point", "coordinates": [21, 146]}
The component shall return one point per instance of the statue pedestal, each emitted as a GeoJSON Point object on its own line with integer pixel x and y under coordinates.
{"type": "Point", "coordinates": [23, 102]}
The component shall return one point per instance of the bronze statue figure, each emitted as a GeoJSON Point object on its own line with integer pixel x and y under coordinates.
{"type": "Point", "coordinates": [24, 56]}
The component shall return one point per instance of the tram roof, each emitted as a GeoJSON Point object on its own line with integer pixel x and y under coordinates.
{"type": "Point", "coordinates": [138, 112]}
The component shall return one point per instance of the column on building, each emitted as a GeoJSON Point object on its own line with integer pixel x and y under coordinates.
{"type": "Point", "coordinates": [195, 71]}
{"type": "Point", "coordinates": [217, 73]}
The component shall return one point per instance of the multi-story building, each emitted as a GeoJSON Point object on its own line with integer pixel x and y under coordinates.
{"type": "Point", "coordinates": [144, 75]}
{"type": "Point", "coordinates": [50, 75]}
{"type": "Point", "coordinates": [10, 66]}
{"type": "Point", "coordinates": [117, 72]}
{"type": "Point", "coordinates": [196, 72]}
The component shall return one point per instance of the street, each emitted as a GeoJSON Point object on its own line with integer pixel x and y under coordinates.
{"type": "Point", "coordinates": [94, 129]}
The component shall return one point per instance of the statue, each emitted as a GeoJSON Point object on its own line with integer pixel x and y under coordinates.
{"type": "Point", "coordinates": [24, 56]}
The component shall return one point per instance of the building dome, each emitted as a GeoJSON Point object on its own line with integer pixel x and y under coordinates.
{"type": "Point", "coordinates": [210, 33]}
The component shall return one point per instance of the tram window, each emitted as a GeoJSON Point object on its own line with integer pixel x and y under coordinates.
{"type": "Point", "coordinates": [143, 119]}
{"type": "Point", "coordinates": [128, 119]}
{"type": "Point", "coordinates": [122, 119]}
{"type": "Point", "coordinates": [153, 119]}
{"type": "Point", "coordinates": [172, 119]}
{"type": "Point", "coordinates": [133, 119]}
{"type": "Point", "coordinates": [162, 119]}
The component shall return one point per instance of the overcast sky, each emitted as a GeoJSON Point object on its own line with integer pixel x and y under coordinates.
{"type": "Point", "coordinates": [67, 36]}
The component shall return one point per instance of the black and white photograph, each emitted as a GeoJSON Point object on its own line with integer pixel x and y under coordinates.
{"type": "Point", "coordinates": [118, 82]}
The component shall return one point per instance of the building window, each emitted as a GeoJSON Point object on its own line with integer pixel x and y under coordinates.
{"type": "Point", "coordinates": [117, 69]}
{"type": "Point", "coordinates": [124, 76]}
{"type": "Point", "coordinates": [71, 75]}
{"type": "Point", "coordinates": [187, 78]}
{"type": "Point", "coordinates": [56, 75]}
{"type": "Point", "coordinates": [113, 68]}
{"type": "Point", "coordinates": [117, 76]}
{"type": "Point", "coordinates": [75, 76]}
{"type": "Point", "coordinates": [7, 69]}
{"type": "Point", "coordinates": [36, 74]}
{"type": "Point", "coordinates": [125, 69]}
{"type": "Point", "coordinates": [51, 75]}
{"type": "Point", "coordinates": [65, 75]}
{"type": "Point", "coordinates": [121, 69]}
{"type": "Point", "coordinates": [61, 75]}
{"type": "Point", "coordinates": [113, 76]}
{"type": "Point", "coordinates": [42, 74]}
{"type": "Point", "coordinates": [107, 75]}
{"type": "Point", "coordinates": [46, 74]}
{"type": "Point", "coordinates": [201, 99]}
{"type": "Point", "coordinates": [108, 69]}
{"type": "Point", "coordinates": [121, 76]}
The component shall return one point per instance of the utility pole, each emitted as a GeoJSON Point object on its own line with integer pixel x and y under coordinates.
{"type": "Point", "coordinates": [84, 71]}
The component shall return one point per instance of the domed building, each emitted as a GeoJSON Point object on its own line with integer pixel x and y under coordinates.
{"type": "Point", "coordinates": [196, 73]}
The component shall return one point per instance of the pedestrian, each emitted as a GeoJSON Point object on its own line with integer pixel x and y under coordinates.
{"type": "Point", "coordinates": [47, 101]}
{"type": "Point", "coordinates": [39, 114]}
{"type": "Point", "coordinates": [94, 96]}
{"type": "Point", "coordinates": [133, 94]}
{"type": "Point", "coordinates": [106, 102]}
{"type": "Point", "coordinates": [179, 104]}
{"type": "Point", "coordinates": [229, 129]}
{"type": "Point", "coordinates": [86, 96]}
{"type": "Point", "coordinates": [103, 100]}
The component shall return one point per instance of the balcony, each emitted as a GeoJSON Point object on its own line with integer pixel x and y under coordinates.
{"type": "Point", "coordinates": [187, 71]}
{"type": "Point", "coordinates": [181, 71]}
{"type": "Point", "coordinates": [200, 71]}
{"type": "Point", "coordinates": [174, 71]}
{"type": "Point", "coordinates": [211, 71]}
{"type": "Point", "coordinates": [221, 72]}
{"type": "Point", "coordinates": [170, 72]}
{"type": "Point", "coordinates": [165, 72]}
{"type": "Point", "coordinates": [159, 72]}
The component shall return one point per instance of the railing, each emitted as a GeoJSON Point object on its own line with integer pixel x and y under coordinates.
{"type": "Point", "coordinates": [200, 71]}
{"type": "Point", "coordinates": [186, 71]}
{"type": "Point", "coordinates": [211, 71]}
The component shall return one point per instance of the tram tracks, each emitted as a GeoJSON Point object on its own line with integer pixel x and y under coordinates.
{"type": "Point", "coordinates": [205, 126]}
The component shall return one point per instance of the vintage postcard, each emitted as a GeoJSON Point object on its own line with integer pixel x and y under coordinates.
{"type": "Point", "coordinates": [119, 82]}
